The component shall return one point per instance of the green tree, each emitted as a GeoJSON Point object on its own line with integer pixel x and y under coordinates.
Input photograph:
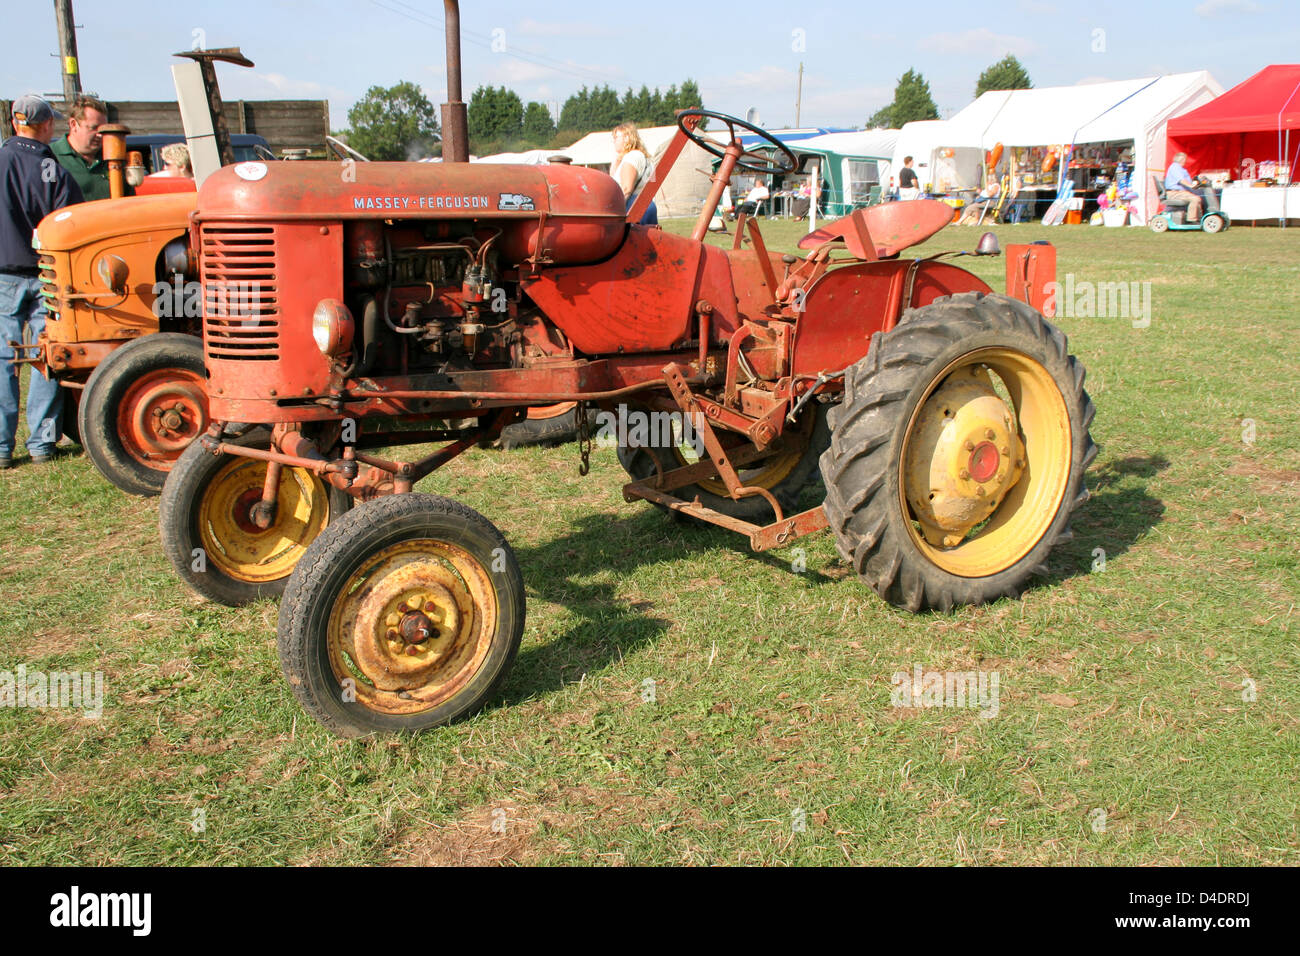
{"type": "Point", "coordinates": [602, 108]}
{"type": "Point", "coordinates": [688, 97]}
{"type": "Point", "coordinates": [882, 118]}
{"type": "Point", "coordinates": [1006, 74]}
{"type": "Point", "coordinates": [496, 114]}
{"type": "Point", "coordinates": [539, 129]}
{"type": "Point", "coordinates": [606, 110]}
{"type": "Point", "coordinates": [393, 124]}
{"type": "Point", "coordinates": [912, 101]}
{"type": "Point", "coordinates": [573, 114]}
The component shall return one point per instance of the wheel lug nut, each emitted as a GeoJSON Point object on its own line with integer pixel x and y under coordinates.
{"type": "Point", "coordinates": [988, 433]}
{"type": "Point", "coordinates": [1005, 450]}
{"type": "Point", "coordinates": [392, 634]}
{"type": "Point", "coordinates": [157, 413]}
{"type": "Point", "coordinates": [970, 445]}
{"type": "Point", "coordinates": [430, 606]}
{"type": "Point", "coordinates": [980, 491]}
{"type": "Point", "coordinates": [412, 650]}
{"type": "Point", "coordinates": [402, 608]}
{"type": "Point", "coordinates": [963, 474]}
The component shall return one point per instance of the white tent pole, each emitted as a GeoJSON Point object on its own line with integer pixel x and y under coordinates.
{"type": "Point", "coordinates": [1281, 155]}
{"type": "Point", "coordinates": [816, 194]}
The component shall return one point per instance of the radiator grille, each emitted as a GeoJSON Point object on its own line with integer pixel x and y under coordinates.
{"type": "Point", "coordinates": [241, 312]}
{"type": "Point", "coordinates": [49, 284]}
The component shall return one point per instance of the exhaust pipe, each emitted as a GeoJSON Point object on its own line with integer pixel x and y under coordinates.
{"type": "Point", "coordinates": [455, 120]}
{"type": "Point", "coordinates": [114, 154]}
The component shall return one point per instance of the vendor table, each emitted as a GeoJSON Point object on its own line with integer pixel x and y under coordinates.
{"type": "Point", "coordinates": [1241, 201]}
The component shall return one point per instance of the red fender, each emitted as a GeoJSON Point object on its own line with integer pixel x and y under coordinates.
{"type": "Point", "coordinates": [848, 305]}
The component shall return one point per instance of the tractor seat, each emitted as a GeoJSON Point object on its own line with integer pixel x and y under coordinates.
{"type": "Point", "coordinates": [890, 228]}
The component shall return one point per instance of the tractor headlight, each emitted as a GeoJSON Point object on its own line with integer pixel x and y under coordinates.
{"type": "Point", "coordinates": [332, 327]}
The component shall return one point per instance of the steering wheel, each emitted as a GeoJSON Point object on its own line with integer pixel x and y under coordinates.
{"type": "Point", "coordinates": [757, 162]}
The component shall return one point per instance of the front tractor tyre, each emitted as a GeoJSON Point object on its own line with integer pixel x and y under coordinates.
{"type": "Point", "coordinates": [403, 616]}
{"type": "Point", "coordinates": [207, 526]}
{"type": "Point", "coordinates": [958, 453]}
{"type": "Point", "coordinates": [142, 407]}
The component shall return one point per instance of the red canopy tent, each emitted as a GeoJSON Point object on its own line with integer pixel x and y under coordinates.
{"type": "Point", "coordinates": [1257, 120]}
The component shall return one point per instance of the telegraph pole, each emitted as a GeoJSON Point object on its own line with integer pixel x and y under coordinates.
{"type": "Point", "coordinates": [67, 51]}
{"type": "Point", "coordinates": [798, 102]}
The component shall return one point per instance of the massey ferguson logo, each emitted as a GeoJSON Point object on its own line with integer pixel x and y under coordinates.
{"type": "Point", "coordinates": [515, 202]}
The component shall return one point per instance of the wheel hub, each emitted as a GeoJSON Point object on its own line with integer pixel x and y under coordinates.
{"type": "Point", "coordinates": [160, 415]}
{"type": "Point", "coordinates": [964, 456]}
{"type": "Point", "coordinates": [408, 626]}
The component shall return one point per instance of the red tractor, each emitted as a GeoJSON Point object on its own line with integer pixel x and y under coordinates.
{"type": "Point", "coordinates": [405, 304]}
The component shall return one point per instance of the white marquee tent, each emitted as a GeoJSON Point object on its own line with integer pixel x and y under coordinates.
{"type": "Point", "coordinates": [1134, 110]}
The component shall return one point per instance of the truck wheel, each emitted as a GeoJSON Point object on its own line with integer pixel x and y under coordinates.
{"type": "Point", "coordinates": [142, 407]}
{"type": "Point", "coordinates": [210, 538]}
{"type": "Point", "coordinates": [404, 615]}
{"type": "Point", "coordinates": [785, 474]}
{"type": "Point", "coordinates": [548, 425]}
{"type": "Point", "coordinates": [958, 452]}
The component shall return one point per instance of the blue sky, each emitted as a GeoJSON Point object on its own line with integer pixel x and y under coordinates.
{"type": "Point", "coordinates": [741, 55]}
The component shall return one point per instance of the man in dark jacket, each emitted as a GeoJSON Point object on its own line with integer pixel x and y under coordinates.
{"type": "Point", "coordinates": [32, 185]}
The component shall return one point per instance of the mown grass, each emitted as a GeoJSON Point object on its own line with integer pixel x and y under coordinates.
{"type": "Point", "coordinates": [1121, 689]}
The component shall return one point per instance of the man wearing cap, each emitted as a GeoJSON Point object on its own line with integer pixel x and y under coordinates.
{"type": "Point", "coordinates": [32, 185]}
{"type": "Point", "coordinates": [81, 151]}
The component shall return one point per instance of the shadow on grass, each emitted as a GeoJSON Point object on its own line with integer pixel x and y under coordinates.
{"type": "Point", "coordinates": [580, 570]}
{"type": "Point", "coordinates": [1117, 515]}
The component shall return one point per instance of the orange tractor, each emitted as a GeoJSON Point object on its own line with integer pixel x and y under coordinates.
{"type": "Point", "coordinates": [342, 316]}
{"type": "Point", "coordinates": [122, 331]}
{"type": "Point", "coordinates": [121, 336]}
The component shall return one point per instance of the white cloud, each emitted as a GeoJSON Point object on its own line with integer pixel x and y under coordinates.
{"type": "Point", "coordinates": [773, 90]}
{"type": "Point", "coordinates": [253, 85]}
{"type": "Point", "coordinates": [1037, 7]}
{"type": "Point", "coordinates": [1223, 8]}
{"type": "Point", "coordinates": [980, 40]}
{"type": "Point", "coordinates": [534, 28]}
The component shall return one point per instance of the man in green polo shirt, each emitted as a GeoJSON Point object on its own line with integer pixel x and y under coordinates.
{"type": "Point", "coordinates": [80, 152]}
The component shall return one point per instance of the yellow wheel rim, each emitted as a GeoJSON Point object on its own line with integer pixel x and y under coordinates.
{"type": "Point", "coordinates": [238, 547]}
{"type": "Point", "coordinates": [412, 626]}
{"type": "Point", "coordinates": [766, 474]}
{"type": "Point", "coordinates": [1005, 472]}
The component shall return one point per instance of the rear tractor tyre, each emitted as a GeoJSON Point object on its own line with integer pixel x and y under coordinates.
{"type": "Point", "coordinates": [785, 474]}
{"type": "Point", "coordinates": [208, 532]}
{"type": "Point", "coordinates": [547, 425]}
{"type": "Point", "coordinates": [141, 408]}
{"type": "Point", "coordinates": [403, 616]}
{"type": "Point", "coordinates": [958, 453]}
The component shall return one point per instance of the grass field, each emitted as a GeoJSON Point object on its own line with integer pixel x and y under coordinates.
{"type": "Point", "coordinates": [1148, 710]}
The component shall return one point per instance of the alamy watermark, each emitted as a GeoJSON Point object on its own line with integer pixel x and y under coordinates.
{"type": "Point", "coordinates": [977, 690]}
{"type": "Point", "coordinates": [188, 299]}
{"type": "Point", "coordinates": [636, 428]}
{"type": "Point", "coordinates": [1100, 300]}
{"type": "Point", "coordinates": [73, 690]}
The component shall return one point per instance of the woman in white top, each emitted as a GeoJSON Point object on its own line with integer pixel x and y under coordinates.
{"type": "Point", "coordinates": [632, 168]}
